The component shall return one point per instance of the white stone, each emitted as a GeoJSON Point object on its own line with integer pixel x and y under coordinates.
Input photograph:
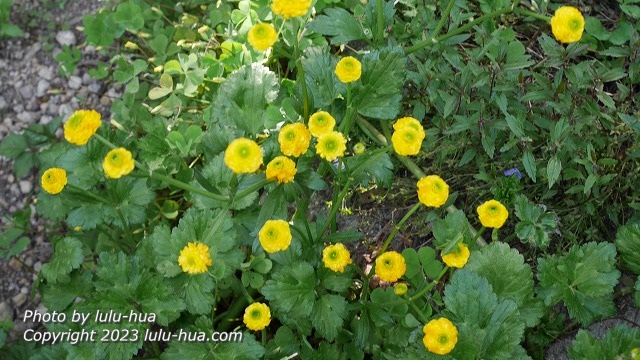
{"type": "Point", "coordinates": [74, 82]}
{"type": "Point", "coordinates": [25, 186]}
{"type": "Point", "coordinates": [66, 37]}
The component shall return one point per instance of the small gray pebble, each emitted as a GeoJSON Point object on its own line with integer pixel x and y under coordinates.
{"type": "Point", "coordinates": [25, 186]}
{"type": "Point", "coordinates": [66, 37]}
{"type": "Point", "coordinates": [74, 82]}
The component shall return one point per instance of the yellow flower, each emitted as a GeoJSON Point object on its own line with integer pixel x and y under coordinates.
{"type": "Point", "coordinates": [407, 141]}
{"type": "Point", "coordinates": [348, 69]}
{"type": "Point", "coordinates": [81, 126]}
{"type": "Point", "coordinates": [331, 145]}
{"type": "Point", "coordinates": [118, 162]}
{"type": "Point", "coordinates": [390, 266]}
{"type": "Point", "coordinates": [321, 123]}
{"type": "Point", "coordinates": [290, 8]}
{"type": "Point", "coordinates": [282, 169]}
{"type": "Point", "coordinates": [400, 289]}
{"type": "Point", "coordinates": [409, 122]}
{"type": "Point", "coordinates": [243, 156]}
{"type": "Point", "coordinates": [53, 180]}
{"type": "Point", "coordinates": [433, 191]}
{"type": "Point", "coordinates": [336, 257]}
{"type": "Point", "coordinates": [492, 214]}
{"type": "Point", "coordinates": [440, 336]}
{"type": "Point", "coordinates": [294, 139]}
{"type": "Point", "coordinates": [458, 257]}
{"type": "Point", "coordinates": [359, 148]}
{"type": "Point", "coordinates": [262, 36]}
{"type": "Point", "coordinates": [275, 235]}
{"type": "Point", "coordinates": [194, 258]}
{"type": "Point", "coordinates": [257, 316]}
{"type": "Point", "coordinates": [567, 24]}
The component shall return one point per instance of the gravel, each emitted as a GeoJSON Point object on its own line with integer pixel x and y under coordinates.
{"type": "Point", "coordinates": [32, 91]}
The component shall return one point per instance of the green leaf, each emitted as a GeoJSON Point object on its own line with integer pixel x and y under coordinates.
{"type": "Point", "coordinates": [451, 231]}
{"type": "Point", "coordinates": [583, 279]}
{"type": "Point", "coordinates": [488, 6]}
{"type": "Point", "coordinates": [535, 223]}
{"type": "Point", "coordinates": [67, 255]}
{"type": "Point", "coordinates": [328, 315]}
{"type": "Point", "coordinates": [245, 96]}
{"type": "Point", "coordinates": [129, 15]}
{"type": "Point", "coordinates": [636, 296]}
{"type": "Point", "coordinates": [101, 29]}
{"type": "Point", "coordinates": [554, 166]}
{"type": "Point", "coordinates": [489, 327]}
{"type": "Point", "coordinates": [510, 277]}
{"type": "Point", "coordinates": [529, 163]}
{"type": "Point", "coordinates": [628, 244]}
{"type": "Point", "coordinates": [56, 297]}
{"type": "Point", "coordinates": [322, 83]}
{"type": "Point", "coordinates": [87, 216]}
{"type": "Point", "coordinates": [343, 236]}
{"type": "Point", "coordinates": [371, 167]}
{"type": "Point", "coordinates": [516, 125]}
{"type": "Point", "coordinates": [430, 265]}
{"type": "Point", "coordinates": [339, 24]}
{"type": "Point", "coordinates": [616, 344]}
{"type": "Point", "coordinates": [380, 92]}
{"type": "Point", "coordinates": [13, 145]}
{"type": "Point", "coordinates": [291, 290]}
{"type": "Point", "coordinates": [124, 277]}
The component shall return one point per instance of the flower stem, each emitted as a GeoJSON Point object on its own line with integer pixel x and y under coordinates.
{"type": "Point", "coordinates": [398, 226]}
{"type": "Point", "coordinates": [430, 286]}
{"type": "Point", "coordinates": [532, 14]}
{"type": "Point", "coordinates": [89, 194]}
{"type": "Point", "coordinates": [334, 209]}
{"type": "Point", "coordinates": [348, 119]}
{"type": "Point", "coordinates": [443, 19]}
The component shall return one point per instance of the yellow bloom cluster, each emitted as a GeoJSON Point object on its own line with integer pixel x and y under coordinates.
{"type": "Point", "coordinates": [118, 163]}
{"type": "Point", "coordinates": [290, 8]}
{"type": "Point", "coordinates": [53, 180]}
{"type": "Point", "coordinates": [331, 145]}
{"type": "Point", "coordinates": [407, 136]}
{"type": "Point", "coordinates": [282, 169]}
{"type": "Point", "coordinates": [81, 126]}
{"type": "Point", "coordinates": [275, 235]}
{"type": "Point", "coordinates": [321, 123]}
{"type": "Point", "coordinates": [440, 336]}
{"type": "Point", "coordinates": [457, 258]}
{"type": "Point", "coordinates": [348, 69]}
{"type": "Point", "coordinates": [294, 139]}
{"type": "Point", "coordinates": [390, 266]}
{"type": "Point", "coordinates": [492, 214]}
{"type": "Point", "coordinates": [257, 316]}
{"type": "Point", "coordinates": [194, 258]}
{"type": "Point", "coordinates": [336, 257]}
{"type": "Point", "coordinates": [433, 191]}
{"type": "Point", "coordinates": [262, 36]}
{"type": "Point", "coordinates": [567, 24]}
{"type": "Point", "coordinates": [243, 156]}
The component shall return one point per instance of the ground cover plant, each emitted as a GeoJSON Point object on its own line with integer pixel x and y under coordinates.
{"type": "Point", "coordinates": [505, 131]}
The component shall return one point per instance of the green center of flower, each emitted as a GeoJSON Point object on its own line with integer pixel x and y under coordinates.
{"type": "Point", "coordinates": [290, 135]}
{"type": "Point", "coordinates": [256, 314]}
{"type": "Point", "coordinates": [333, 255]}
{"type": "Point", "coordinates": [244, 151]}
{"type": "Point", "coordinates": [272, 233]}
{"type": "Point", "coordinates": [331, 145]}
{"type": "Point", "coordinates": [443, 339]}
{"type": "Point", "coordinates": [260, 31]}
{"type": "Point", "coordinates": [574, 24]}
{"type": "Point", "coordinates": [348, 65]}
{"type": "Point", "coordinates": [408, 136]}
{"type": "Point", "coordinates": [321, 121]}
{"type": "Point", "coordinates": [115, 158]}
{"type": "Point", "coordinates": [388, 264]}
{"type": "Point", "coordinates": [493, 209]}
